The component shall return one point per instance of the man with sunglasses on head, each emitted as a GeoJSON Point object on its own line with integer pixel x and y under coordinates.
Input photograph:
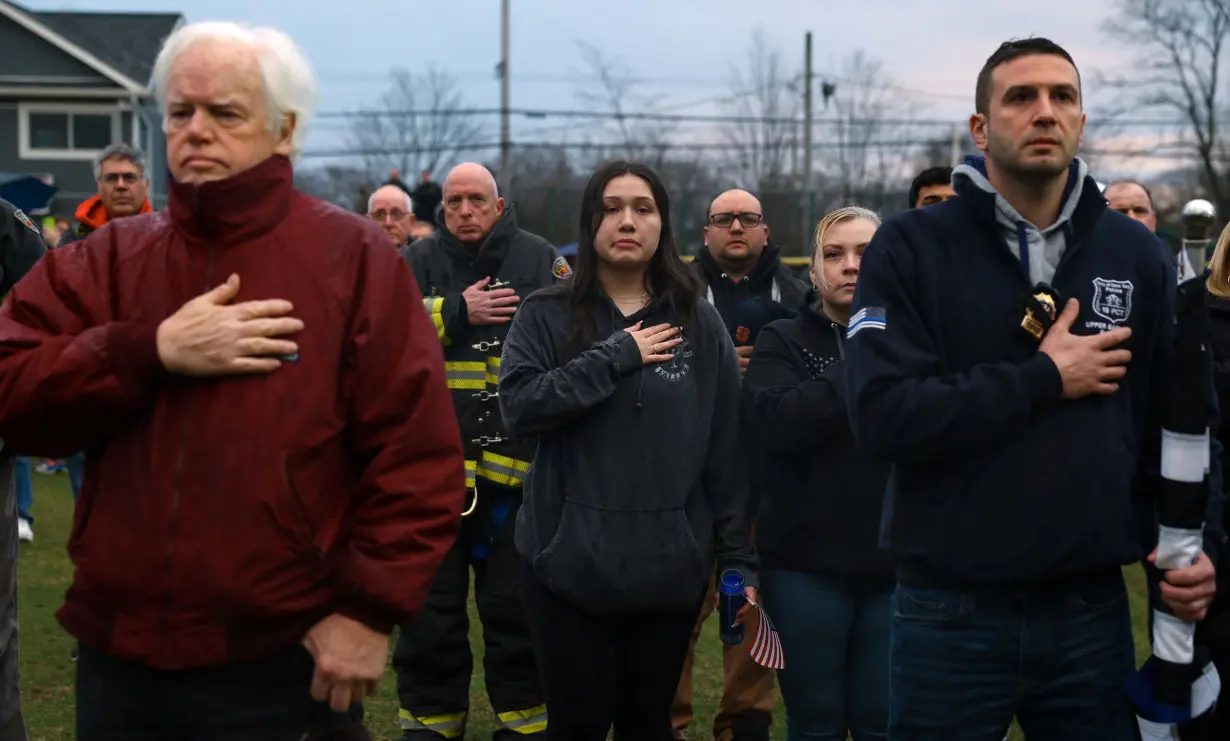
{"type": "Point", "coordinates": [742, 275]}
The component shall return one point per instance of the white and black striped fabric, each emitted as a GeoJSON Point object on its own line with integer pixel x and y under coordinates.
{"type": "Point", "coordinates": [1176, 683]}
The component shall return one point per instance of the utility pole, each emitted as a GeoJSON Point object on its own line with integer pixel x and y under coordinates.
{"type": "Point", "coordinates": [807, 173]}
{"type": "Point", "coordinates": [505, 137]}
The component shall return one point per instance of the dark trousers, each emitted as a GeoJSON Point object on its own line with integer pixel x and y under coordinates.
{"type": "Point", "coordinates": [12, 724]}
{"type": "Point", "coordinates": [600, 672]}
{"type": "Point", "coordinates": [963, 663]}
{"type": "Point", "coordinates": [835, 631]}
{"type": "Point", "coordinates": [264, 700]}
{"type": "Point", "coordinates": [432, 657]}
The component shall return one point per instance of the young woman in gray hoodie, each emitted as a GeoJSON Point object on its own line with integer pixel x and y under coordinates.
{"type": "Point", "coordinates": [629, 382]}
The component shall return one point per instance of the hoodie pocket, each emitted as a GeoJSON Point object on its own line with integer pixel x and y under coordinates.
{"type": "Point", "coordinates": [609, 561]}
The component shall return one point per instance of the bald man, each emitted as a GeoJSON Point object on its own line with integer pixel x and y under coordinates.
{"type": "Point", "coordinates": [747, 283]}
{"type": "Point", "coordinates": [473, 273]}
{"type": "Point", "coordinates": [391, 207]}
{"type": "Point", "coordinates": [743, 273]}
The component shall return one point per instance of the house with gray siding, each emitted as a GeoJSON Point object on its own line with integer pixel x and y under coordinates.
{"type": "Point", "coordinates": [72, 83]}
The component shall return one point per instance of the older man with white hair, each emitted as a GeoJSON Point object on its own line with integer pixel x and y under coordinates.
{"type": "Point", "coordinates": [274, 472]}
{"type": "Point", "coordinates": [391, 208]}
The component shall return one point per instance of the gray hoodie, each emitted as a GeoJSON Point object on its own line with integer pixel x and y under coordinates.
{"type": "Point", "coordinates": [1044, 247]}
{"type": "Point", "coordinates": [638, 484]}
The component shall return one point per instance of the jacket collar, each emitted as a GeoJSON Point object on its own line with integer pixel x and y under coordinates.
{"type": "Point", "coordinates": [237, 209]}
{"type": "Point", "coordinates": [494, 245]}
{"type": "Point", "coordinates": [981, 200]}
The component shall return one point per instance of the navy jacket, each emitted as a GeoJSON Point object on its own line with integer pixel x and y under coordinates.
{"type": "Point", "coordinates": [996, 479]}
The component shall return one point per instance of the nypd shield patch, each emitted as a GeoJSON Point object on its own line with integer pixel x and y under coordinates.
{"type": "Point", "coordinates": [560, 268]}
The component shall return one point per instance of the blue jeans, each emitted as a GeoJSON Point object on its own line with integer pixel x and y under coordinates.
{"type": "Point", "coordinates": [1057, 657]}
{"type": "Point", "coordinates": [25, 487]}
{"type": "Point", "coordinates": [76, 472]}
{"type": "Point", "coordinates": [835, 638]}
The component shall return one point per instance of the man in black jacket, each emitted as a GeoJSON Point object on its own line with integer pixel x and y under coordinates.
{"type": "Point", "coordinates": [1008, 354]}
{"type": "Point", "coordinates": [473, 273]}
{"type": "Point", "coordinates": [744, 278]}
{"type": "Point", "coordinates": [21, 245]}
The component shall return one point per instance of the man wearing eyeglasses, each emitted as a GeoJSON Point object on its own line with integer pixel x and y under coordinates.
{"type": "Point", "coordinates": [123, 190]}
{"type": "Point", "coordinates": [391, 207]}
{"type": "Point", "coordinates": [746, 281]}
{"type": "Point", "coordinates": [742, 271]}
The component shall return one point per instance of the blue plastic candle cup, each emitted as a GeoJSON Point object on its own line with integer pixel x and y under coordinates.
{"type": "Point", "coordinates": [730, 600]}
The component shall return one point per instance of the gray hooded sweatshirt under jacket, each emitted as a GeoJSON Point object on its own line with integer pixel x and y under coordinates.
{"type": "Point", "coordinates": [1042, 248]}
{"type": "Point", "coordinates": [637, 483]}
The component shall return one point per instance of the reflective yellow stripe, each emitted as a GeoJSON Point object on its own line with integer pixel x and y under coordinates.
{"type": "Point", "coordinates": [448, 725]}
{"type": "Point", "coordinates": [471, 470]}
{"type": "Point", "coordinates": [435, 309]}
{"type": "Point", "coordinates": [531, 720]}
{"type": "Point", "coordinates": [466, 374]}
{"type": "Point", "coordinates": [493, 370]}
{"type": "Point", "coordinates": [501, 469]}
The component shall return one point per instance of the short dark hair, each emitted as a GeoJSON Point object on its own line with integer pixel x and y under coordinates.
{"type": "Point", "coordinates": [1008, 51]}
{"type": "Point", "coordinates": [927, 178]}
{"type": "Point", "coordinates": [1137, 183]}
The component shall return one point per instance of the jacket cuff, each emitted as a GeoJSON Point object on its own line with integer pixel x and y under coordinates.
{"type": "Point", "coordinates": [1041, 378]}
{"type": "Point", "coordinates": [373, 617]}
{"type": "Point", "coordinates": [132, 350]}
{"type": "Point", "coordinates": [627, 353]}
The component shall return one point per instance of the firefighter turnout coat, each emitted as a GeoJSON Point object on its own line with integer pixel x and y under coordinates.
{"type": "Point", "coordinates": [444, 268]}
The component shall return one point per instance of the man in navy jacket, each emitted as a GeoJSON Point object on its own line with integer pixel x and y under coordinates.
{"type": "Point", "coordinates": [1006, 354]}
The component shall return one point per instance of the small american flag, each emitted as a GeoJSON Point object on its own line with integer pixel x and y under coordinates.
{"type": "Point", "coordinates": [767, 650]}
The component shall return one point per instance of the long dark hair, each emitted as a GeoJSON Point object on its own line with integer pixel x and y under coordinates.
{"type": "Point", "coordinates": [667, 278]}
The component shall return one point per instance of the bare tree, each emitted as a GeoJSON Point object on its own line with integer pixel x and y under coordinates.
{"type": "Point", "coordinates": [420, 123]}
{"type": "Point", "coordinates": [612, 90]}
{"type": "Point", "coordinates": [765, 139]}
{"type": "Point", "coordinates": [862, 154]}
{"type": "Point", "coordinates": [343, 185]}
{"type": "Point", "coordinates": [1180, 45]}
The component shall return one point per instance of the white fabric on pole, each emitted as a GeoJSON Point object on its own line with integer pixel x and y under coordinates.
{"type": "Point", "coordinates": [1178, 549]}
{"type": "Point", "coordinates": [1185, 458]}
{"type": "Point", "coordinates": [1174, 639]}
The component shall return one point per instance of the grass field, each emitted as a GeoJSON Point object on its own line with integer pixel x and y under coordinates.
{"type": "Point", "coordinates": [47, 671]}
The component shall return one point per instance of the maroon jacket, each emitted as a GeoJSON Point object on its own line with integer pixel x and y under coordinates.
{"type": "Point", "coordinates": [222, 517]}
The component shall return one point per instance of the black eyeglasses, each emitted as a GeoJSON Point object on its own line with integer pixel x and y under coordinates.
{"type": "Point", "coordinates": [726, 220]}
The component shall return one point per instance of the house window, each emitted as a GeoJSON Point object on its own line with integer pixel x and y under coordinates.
{"type": "Point", "coordinates": [66, 132]}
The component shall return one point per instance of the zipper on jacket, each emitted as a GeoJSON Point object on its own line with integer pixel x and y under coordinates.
{"type": "Point", "coordinates": [176, 480]}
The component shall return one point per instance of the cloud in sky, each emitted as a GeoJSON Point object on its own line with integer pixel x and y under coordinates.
{"type": "Point", "coordinates": [682, 49]}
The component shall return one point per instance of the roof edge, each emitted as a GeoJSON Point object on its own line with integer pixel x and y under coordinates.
{"type": "Point", "coordinates": [32, 24]}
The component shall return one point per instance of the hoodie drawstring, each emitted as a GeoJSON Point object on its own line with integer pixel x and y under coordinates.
{"type": "Point", "coordinates": [1022, 240]}
{"type": "Point", "coordinates": [841, 343]}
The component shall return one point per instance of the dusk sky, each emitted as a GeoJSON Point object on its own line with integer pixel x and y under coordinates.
{"type": "Point", "coordinates": [681, 50]}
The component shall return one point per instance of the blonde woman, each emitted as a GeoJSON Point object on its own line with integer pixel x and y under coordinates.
{"type": "Point", "coordinates": [1215, 629]}
{"type": "Point", "coordinates": [825, 581]}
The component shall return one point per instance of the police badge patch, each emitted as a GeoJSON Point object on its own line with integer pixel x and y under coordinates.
{"type": "Point", "coordinates": [1112, 299]}
{"type": "Point", "coordinates": [560, 268]}
{"type": "Point", "coordinates": [21, 216]}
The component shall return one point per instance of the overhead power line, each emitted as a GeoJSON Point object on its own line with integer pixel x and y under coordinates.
{"type": "Point", "coordinates": [691, 147]}
{"type": "Point", "coordinates": [681, 117]}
